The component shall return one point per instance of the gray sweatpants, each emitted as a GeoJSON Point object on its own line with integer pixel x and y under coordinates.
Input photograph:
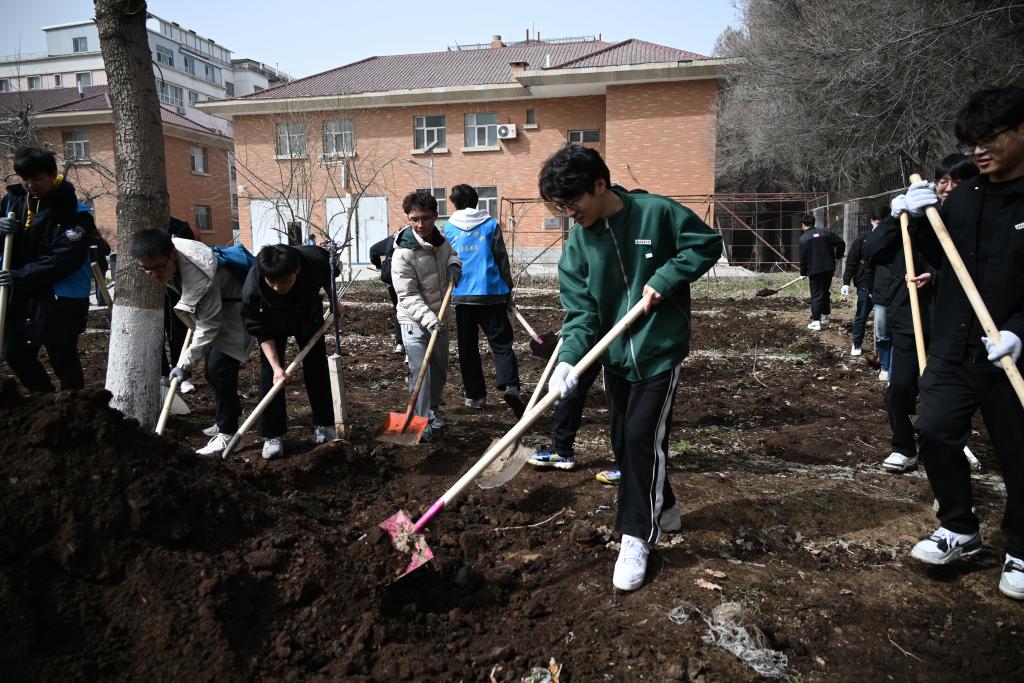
{"type": "Point", "coordinates": [415, 339]}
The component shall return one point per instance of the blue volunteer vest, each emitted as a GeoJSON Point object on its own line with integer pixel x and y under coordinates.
{"type": "Point", "coordinates": [475, 248]}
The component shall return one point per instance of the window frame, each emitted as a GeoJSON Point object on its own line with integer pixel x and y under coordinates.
{"type": "Point", "coordinates": [330, 141]}
{"type": "Point", "coordinates": [199, 159]}
{"type": "Point", "coordinates": [441, 195]}
{"type": "Point", "coordinates": [75, 44]}
{"type": "Point", "coordinates": [81, 76]}
{"type": "Point", "coordinates": [473, 129]}
{"type": "Point", "coordinates": [165, 56]}
{"type": "Point", "coordinates": [5, 85]}
{"type": "Point", "coordinates": [439, 133]}
{"type": "Point", "coordinates": [76, 139]}
{"type": "Point", "coordinates": [290, 135]}
{"type": "Point", "coordinates": [207, 217]}
{"type": "Point", "coordinates": [38, 80]}
{"type": "Point", "coordinates": [583, 132]}
{"type": "Point", "coordinates": [58, 81]}
{"type": "Point", "coordinates": [488, 202]}
{"type": "Point", "coordinates": [166, 97]}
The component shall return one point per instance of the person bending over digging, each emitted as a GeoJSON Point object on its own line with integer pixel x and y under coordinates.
{"type": "Point", "coordinates": [421, 268]}
{"type": "Point", "coordinates": [209, 301]}
{"type": "Point", "coordinates": [629, 248]}
{"type": "Point", "coordinates": [985, 219]}
{"type": "Point", "coordinates": [282, 298]}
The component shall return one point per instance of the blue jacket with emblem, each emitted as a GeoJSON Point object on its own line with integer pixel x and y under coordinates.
{"type": "Point", "coordinates": [486, 275]}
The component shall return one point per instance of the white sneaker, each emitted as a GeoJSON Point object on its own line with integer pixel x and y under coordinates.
{"type": "Point", "coordinates": [631, 566]}
{"type": "Point", "coordinates": [273, 448]}
{"type": "Point", "coordinates": [1011, 583]}
{"type": "Point", "coordinates": [883, 375]}
{"type": "Point", "coordinates": [670, 520]}
{"type": "Point", "coordinates": [945, 546]}
{"type": "Point", "coordinates": [815, 326]}
{"type": "Point", "coordinates": [855, 350]}
{"type": "Point", "coordinates": [324, 433]}
{"type": "Point", "coordinates": [398, 349]}
{"type": "Point", "coordinates": [897, 462]}
{"type": "Point", "coordinates": [186, 387]}
{"type": "Point", "coordinates": [214, 430]}
{"type": "Point", "coordinates": [217, 445]}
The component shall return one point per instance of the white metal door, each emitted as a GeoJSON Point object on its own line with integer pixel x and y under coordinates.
{"type": "Point", "coordinates": [270, 218]}
{"type": "Point", "coordinates": [369, 226]}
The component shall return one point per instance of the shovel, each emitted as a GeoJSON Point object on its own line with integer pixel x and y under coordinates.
{"type": "Point", "coordinates": [405, 429]}
{"type": "Point", "coordinates": [769, 292]}
{"type": "Point", "coordinates": [4, 294]}
{"type": "Point", "coordinates": [101, 282]}
{"type": "Point", "coordinates": [511, 460]}
{"type": "Point", "coordinates": [172, 390]}
{"type": "Point", "coordinates": [407, 537]}
{"type": "Point", "coordinates": [334, 364]}
{"type": "Point", "coordinates": [540, 345]}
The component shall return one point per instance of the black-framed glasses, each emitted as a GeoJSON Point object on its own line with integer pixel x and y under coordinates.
{"type": "Point", "coordinates": [984, 143]}
{"type": "Point", "coordinates": [155, 269]}
{"type": "Point", "coordinates": [568, 207]}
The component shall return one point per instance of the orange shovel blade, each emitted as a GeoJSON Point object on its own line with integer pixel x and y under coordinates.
{"type": "Point", "coordinates": [399, 528]}
{"type": "Point", "coordinates": [392, 431]}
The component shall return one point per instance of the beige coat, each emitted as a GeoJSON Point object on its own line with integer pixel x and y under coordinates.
{"type": "Point", "coordinates": [419, 274]}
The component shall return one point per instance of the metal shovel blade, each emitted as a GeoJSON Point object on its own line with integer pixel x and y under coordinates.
{"type": "Point", "coordinates": [505, 466]}
{"type": "Point", "coordinates": [396, 431]}
{"type": "Point", "coordinates": [399, 528]}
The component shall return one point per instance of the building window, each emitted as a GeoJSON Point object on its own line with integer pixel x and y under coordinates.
{"type": "Point", "coordinates": [338, 140]}
{"type": "Point", "coordinates": [165, 55]}
{"type": "Point", "coordinates": [5, 85]}
{"type": "Point", "coordinates": [256, 88]}
{"type": "Point", "coordinates": [189, 64]}
{"type": "Point", "coordinates": [80, 44]}
{"type": "Point", "coordinates": [56, 80]}
{"type": "Point", "coordinates": [170, 94]}
{"type": "Point", "coordinates": [210, 73]}
{"type": "Point", "coordinates": [204, 218]}
{"type": "Point", "coordinates": [230, 88]}
{"type": "Point", "coordinates": [481, 130]}
{"type": "Point", "coordinates": [35, 82]}
{"type": "Point", "coordinates": [76, 145]}
{"type": "Point", "coordinates": [531, 117]}
{"type": "Point", "coordinates": [488, 197]}
{"type": "Point", "coordinates": [584, 136]}
{"type": "Point", "coordinates": [193, 97]}
{"type": "Point", "coordinates": [291, 139]}
{"type": "Point", "coordinates": [83, 79]}
{"type": "Point", "coordinates": [441, 195]}
{"type": "Point", "coordinates": [428, 129]}
{"type": "Point", "coordinates": [199, 159]}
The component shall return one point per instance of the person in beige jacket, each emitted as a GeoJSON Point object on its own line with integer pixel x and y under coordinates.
{"type": "Point", "coordinates": [422, 266]}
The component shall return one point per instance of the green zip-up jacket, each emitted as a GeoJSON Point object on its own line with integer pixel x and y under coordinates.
{"type": "Point", "coordinates": [652, 241]}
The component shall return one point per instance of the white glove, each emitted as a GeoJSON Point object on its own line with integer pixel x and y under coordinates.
{"type": "Point", "coordinates": [920, 195]}
{"type": "Point", "coordinates": [803, 277]}
{"type": "Point", "coordinates": [898, 205]}
{"type": "Point", "coordinates": [1009, 345]}
{"type": "Point", "coordinates": [563, 380]}
{"type": "Point", "coordinates": [845, 291]}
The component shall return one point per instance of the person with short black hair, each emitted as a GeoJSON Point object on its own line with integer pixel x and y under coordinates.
{"type": "Point", "coordinates": [628, 248]}
{"type": "Point", "coordinates": [861, 273]}
{"type": "Point", "coordinates": [985, 219]}
{"type": "Point", "coordinates": [282, 298]}
{"type": "Point", "coordinates": [482, 298]}
{"type": "Point", "coordinates": [49, 247]}
{"type": "Point", "coordinates": [820, 251]}
{"type": "Point", "coordinates": [209, 301]}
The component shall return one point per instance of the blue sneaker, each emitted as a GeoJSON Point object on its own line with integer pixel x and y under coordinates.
{"type": "Point", "coordinates": [546, 459]}
{"type": "Point", "coordinates": [611, 476]}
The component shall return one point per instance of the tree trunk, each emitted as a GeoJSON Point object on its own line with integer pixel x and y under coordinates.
{"type": "Point", "coordinates": [136, 328]}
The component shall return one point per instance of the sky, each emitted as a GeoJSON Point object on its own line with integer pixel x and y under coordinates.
{"type": "Point", "coordinates": [304, 37]}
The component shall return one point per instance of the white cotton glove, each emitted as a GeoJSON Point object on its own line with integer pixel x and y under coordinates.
{"type": "Point", "coordinates": [563, 380]}
{"type": "Point", "coordinates": [1009, 345]}
{"type": "Point", "coordinates": [919, 196]}
{"type": "Point", "coordinates": [898, 205]}
{"type": "Point", "coordinates": [845, 291]}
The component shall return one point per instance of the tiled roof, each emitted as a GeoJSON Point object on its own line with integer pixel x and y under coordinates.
{"type": "Point", "coordinates": [45, 100]}
{"type": "Point", "coordinates": [453, 68]}
{"type": "Point", "coordinates": [97, 102]}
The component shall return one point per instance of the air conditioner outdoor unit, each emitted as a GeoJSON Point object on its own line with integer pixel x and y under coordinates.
{"type": "Point", "coordinates": [507, 131]}
{"type": "Point", "coordinates": [180, 109]}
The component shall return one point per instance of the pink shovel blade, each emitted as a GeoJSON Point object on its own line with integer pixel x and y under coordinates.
{"type": "Point", "coordinates": [399, 528]}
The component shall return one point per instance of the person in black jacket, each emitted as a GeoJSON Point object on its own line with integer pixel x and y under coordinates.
{"type": "Point", "coordinates": [380, 257]}
{"type": "Point", "coordinates": [820, 249]}
{"type": "Point", "coordinates": [861, 273]}
{"type": "Point", "coordinates": [985, 219]}
{"type": "Point", "coordinates": [282, 298]}
{"type": "Point", "coordinates": [49, 245]}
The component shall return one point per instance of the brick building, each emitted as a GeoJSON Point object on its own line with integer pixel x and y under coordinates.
{"type": "Point", "coordinates": [363, 135]}
{"type": "Point", "coordinates": [79, 127]}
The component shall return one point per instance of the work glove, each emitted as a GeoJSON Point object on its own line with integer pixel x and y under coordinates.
{"type": "Point", "coordinates": [454, 274]}
{"type": "Point", "coordinates": [803, 277]}
{"type": "Point", "coordinates": [180, 373]}
{"type": "Point", "coordinates": [8, 226]}
{"type": "Point", "coordinates": [919, 196]}
{"type": "Point", "coordinates": [6, 278]}
{"type": "Point", "coordinates": [563, 381]}
{"type": "Point", "coordinates": [1009, 345]}
{"type": "Point", "coordinates": [898, 205]}
{"type": "Point", "coordinates": [845, 291]}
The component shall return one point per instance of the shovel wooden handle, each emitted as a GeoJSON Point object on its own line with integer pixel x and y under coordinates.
{"type": "Point", "coordinates": [973, 296]}
{"type": "Point", "coordinates": [529, 418]}
{"type": "Point", "coordinates": [161, 423]}
{"type": "Point", "coordinates": [526, 326]}
{"type": "Point", "coordinates": [915, 303]}
{"type": "Point", "coordinates": [4, 294]}
{"type": "Point", "coordinates": [426, 357]}
{"type": "Point", "coordinates": [101, 282]}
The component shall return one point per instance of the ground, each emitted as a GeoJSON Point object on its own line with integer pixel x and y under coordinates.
{"type": "Point", "coordinates": [123, 556]}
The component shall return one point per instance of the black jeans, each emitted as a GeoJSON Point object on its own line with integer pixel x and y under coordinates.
{"type": "Point", "coordinates": [569, 415]}
{"type": "Point", "coordinates": [65, 321]}
{"type": "Point", "coordinates": [222, 375]}
{"type": "Point", "coordinates": [860, 320]}
{"type": "Point", "coordinates": [274, 420]}
{"type": "Point", "coordinates": [493, 319]}
{"type": "Point", "coordinates": [821, 303]}
{"type": "Point", "coordinates": [950, 395]}
{"type": "Point", "coordinates": [641, 419]}
{"type": "Point", "coordinates": [901, 395]}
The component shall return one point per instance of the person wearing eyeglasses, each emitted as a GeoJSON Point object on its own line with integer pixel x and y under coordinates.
{"type": "Point", "coordinates": [49, 246]}
{"type": "Point", "coordinates": [985, 219]}
{"type": "Point", "coordinates": [629, 248]}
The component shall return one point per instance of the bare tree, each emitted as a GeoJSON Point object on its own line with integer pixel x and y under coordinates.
{"type": "Point", "coordinates": [136, 330]}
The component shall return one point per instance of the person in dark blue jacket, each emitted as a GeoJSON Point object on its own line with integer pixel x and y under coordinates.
{"type": "Point", "coordinates": [820, 250]}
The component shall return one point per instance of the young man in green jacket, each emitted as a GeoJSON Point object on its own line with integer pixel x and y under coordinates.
{"type": "Point", "coordinates": [627, 248]}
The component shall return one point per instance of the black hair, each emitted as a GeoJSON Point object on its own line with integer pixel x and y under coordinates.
{"type": "Point", "coordinates": [879, 213]}
{"type": "Point", "coordinates": [464, 197]}
{"type": "Point", "coordinates": [957, 166]}
{"type": "Point", "coordinates": [275, 262]}
{"type": "Point", "coordinates": [807, 219]}
{"type": "Point", "coordinates": [988, 110]}
{"type": "Point", "coordinates": [30, 161]}
{"type": "Point", "coordinates": [420, 199]}
{"type": "Point", "coordinates": [572, 172]}
{"type": "Point", "coordinates": [149, 244]}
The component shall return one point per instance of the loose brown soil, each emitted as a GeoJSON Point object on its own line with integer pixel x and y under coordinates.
{"type": "Point", "coordinates": [123, 556]}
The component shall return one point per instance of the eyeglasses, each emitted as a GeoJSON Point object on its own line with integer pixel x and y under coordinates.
{"type": "Point", "coordinates": [569, 207]}
{"type": "Point", "coordinates": [155, 269]}
{"type": "Point", "coordinates": [417, 220]}
{"type": "Point", "coordinates": [985, 143]}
